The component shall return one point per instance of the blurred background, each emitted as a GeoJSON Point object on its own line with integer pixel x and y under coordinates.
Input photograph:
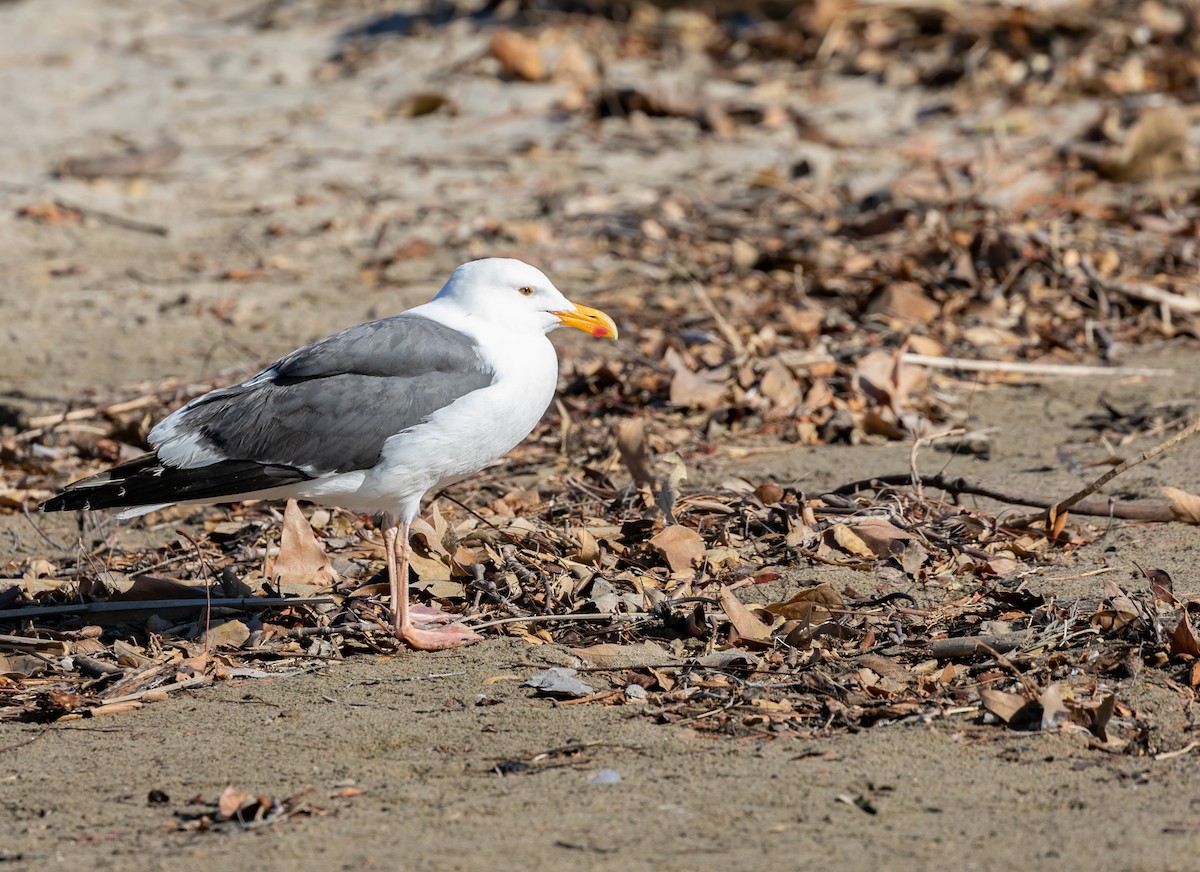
{"type": "Point", "coordinates": [765, 194]}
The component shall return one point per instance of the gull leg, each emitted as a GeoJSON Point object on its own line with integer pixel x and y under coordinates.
{"type": "Point", "coordinates": [438, 632]}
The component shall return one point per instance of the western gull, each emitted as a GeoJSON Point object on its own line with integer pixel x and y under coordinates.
{"type": "Point", "coordinates": [370, 418]}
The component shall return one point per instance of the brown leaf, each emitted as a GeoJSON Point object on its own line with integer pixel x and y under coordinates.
{"type": "Point", "coordinates": [1184, 506]}
{"type": "Point", "coordinates": [780, 387]}
{"type": "Point", "coordinates": [1161, 585]}
{"type": "Point", "coordinates": [680, 545]}
{"type": "Point", "coordinates": [1183, 641]}
{"type": "Point", "coordinates": [801, 605]}
{"type": "Point", "coordinates": [1008, 707]}
{"type": "Point", "coordinates": [231, 634]}
{"type": "Point", "coordinates": [769, 492]}
{"type": "Point", "coordinates": [233, 799]}
{"type": "Point", "coordinates": [152, 587]}
{"type": "Point", "coordinates": [1155, 147]}
{"type": "Point", "coordinates": [700, 390]}
{"type": "Point", "coordinates": [302, 559]}
{"type": "Point", "coordinates": [423, 103]}
{"type": "Point", "coordinates": [747, 626]}
{"type": "Point", "coordinates": [240, 805]}
{"type": "Point", "coordinates": [1093, 715]}
{"type": "Point", "coordinates": [883, 538]}
{"type": "Point", "coordinates": [1054, 711]}
{"type": "Point", "coordinates": [850, 541]}
{"type": "Point", "coordinates": [631, 445]}
{"type": "Point", "coordinates": [518, 55]}
{"type": "Point", "coordinates": [905, 301]}
{"type": "Point", "coordinates": [429, 568]}
{"type": "Point", "coordinates": [885, 378]}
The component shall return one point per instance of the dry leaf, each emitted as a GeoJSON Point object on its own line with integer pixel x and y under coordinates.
{"type": "Point", "coordinates": [883, 538]}
{"type": "Point", "coordinates": [1184, 506]}
{"type": "Point", "coordinates": [589, 549]}
{"type": "Point", "coordinates": [631, 445]}
{"type": "Point", "coordinates": [668, 486]}
{"type": "Point", "coordinates": [559, 681]}
{"type": "Point", "coordinates": [1054, 712]}
{"type": "Point", "coordinates": [134, 162]}
{"type": "Point", "coordinates": [518, 55]}
{"type": "Point", "coordinates": [230, 634]}
{"type": "Point", "coordinates": [850, 541]}
{"type": "Point", "coordinates": [700, 390]}
{"type": "Point", "coordinates": [905, 301]}
{"type": "Point", "coordinates": [748, 627]}
{"type": "Point", "coordinates": [1183, 641]}
{"type": "Point", "coordinates": [680, 545]}
{"type": "Point", "coordinates": [1155, 147]}
{"type": "Point", "coordinates": [423, 103]}
{"type": "Point", "coordinates": [800, 606]}
{"type": "Point", "coordinates": [1008, 707]}
{"type": "Point", "coordinates": [302, 560]}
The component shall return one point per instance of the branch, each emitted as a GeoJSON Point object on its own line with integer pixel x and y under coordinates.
{"type": "Point", "coordinates": [956, 485]}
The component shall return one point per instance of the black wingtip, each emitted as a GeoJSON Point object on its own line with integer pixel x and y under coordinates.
{"type": "Point", "coordinates": [146, 481]}
{"type": "Point", "coordinates": [66, 502]}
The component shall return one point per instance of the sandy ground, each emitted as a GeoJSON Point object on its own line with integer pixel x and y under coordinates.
{"type": "Point", "coordinates": [294, 178]}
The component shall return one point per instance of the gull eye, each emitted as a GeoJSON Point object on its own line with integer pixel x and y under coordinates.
{"type": "Point", "coordinates": [525, 291]}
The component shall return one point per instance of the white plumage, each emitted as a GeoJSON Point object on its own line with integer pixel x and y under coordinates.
{"type": "Point", "coordinates": [370, 418]}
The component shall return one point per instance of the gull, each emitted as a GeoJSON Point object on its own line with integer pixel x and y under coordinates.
{"type": "Point", "coordinates": [370, 418]}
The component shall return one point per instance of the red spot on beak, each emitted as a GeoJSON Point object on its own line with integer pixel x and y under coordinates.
{"type": "Point", "coordinates": [600, 332]}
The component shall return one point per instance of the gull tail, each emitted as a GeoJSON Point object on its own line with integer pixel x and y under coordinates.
{"type": "Point", "coordinates": [146, 483]}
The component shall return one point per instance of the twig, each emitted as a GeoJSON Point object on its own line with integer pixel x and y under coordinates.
{"type": "Point", "coordinates": [22, 642]}
{"type": "Point", "coordinates": [1064, 505]}
{"type": "Point", "coordinates": [547, 619]}
{"type": "Point", "coordinates": [115, 220]}
{"type": "Point", "coordinates": [43, 731]}
{"type": "Point", "coordinates": [97, 668]}
{"type": "Point", "coordinates": [969, 646]}
{"type": "Point", "coordinates": [247, 603]}
{"type": "Point", "coordinates": [727, 330]}
{"type": "Point", "coordinates": [957, 485]}
{"type": "Point", "coordinates": [1045, 369]}
{"type": "Point", "coordinates": [916, 447]}
{"type": "Point", "coordinates": [95, 411]}
{"type": "Point", "coordinates": [1180, 752]}
{"type": "Point", "coordinates": [1141, 291]}
{"type": "Point", "coordinates": [308, 632]}
{"type": "Point", "coordinates": [199, 681]}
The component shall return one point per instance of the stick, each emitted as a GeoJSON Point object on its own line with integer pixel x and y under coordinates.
{"type": "Point", "coordinates": [1048, 369]}
{"type": "Point", "coordinates": [957, 485]}
{"type": "Point", "coordinates": [545, 619]}
{"type": "Point", "coordinates": [1141, 291]}
{"type": "Point", "coordinates": [247, 603]}
{"type": "Point", "coordinates": [1062, 506]}
{"type": "Point", "coordinates": [969, 646]}
{"type": "Point", "coordinates": [115, 220]}
{"type": "Point", "coordinates": [95, 411]}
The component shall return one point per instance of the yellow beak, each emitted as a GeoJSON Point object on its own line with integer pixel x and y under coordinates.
{"type": "Point", "coordinates": [589, 321]}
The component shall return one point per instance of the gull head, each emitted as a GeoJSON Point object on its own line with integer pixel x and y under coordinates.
{"type": "Point", "coordinates": [513, 295]}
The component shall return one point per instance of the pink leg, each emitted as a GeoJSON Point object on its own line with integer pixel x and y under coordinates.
{"type": "Point", "coordinates": [435, 634]}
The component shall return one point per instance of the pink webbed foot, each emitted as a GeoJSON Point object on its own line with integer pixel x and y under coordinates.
{"type": "Point", "coordinates": [432, 630]}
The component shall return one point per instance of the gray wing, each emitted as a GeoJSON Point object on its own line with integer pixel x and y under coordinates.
{"type": "Point", "coordinates": [330, 406]}
{"type": "Point", "coordinates": [325, 408]}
